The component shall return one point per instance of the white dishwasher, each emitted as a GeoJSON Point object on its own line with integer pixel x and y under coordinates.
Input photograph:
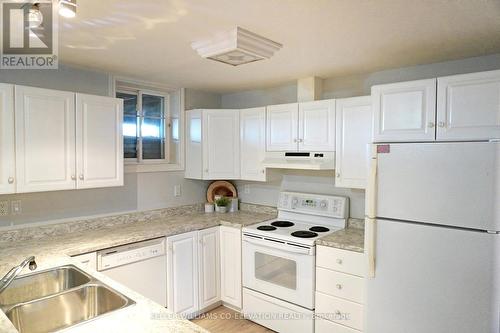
{"type": "Point", "coordinates": [141, 267]}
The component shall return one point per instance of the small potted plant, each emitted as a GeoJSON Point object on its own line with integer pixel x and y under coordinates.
{"type": "Point", "coordinates": [221, 204]}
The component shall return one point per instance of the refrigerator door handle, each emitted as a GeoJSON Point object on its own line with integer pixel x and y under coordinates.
{"type": "Point", "coordinates": [370, 239]}
{"type": "Point", "coordinates": [371, 189]}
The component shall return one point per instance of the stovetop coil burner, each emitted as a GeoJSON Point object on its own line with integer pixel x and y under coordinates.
{"type": "Point", "coordinates": [319, 229]}
{"type": "Point", "coordinates": [283, 224]}
{"type": "Point", "coordinates": [266, 228]}
{"type": "Point", "coordinates": [304, 234]}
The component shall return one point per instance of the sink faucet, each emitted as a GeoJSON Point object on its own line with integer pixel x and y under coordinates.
{"type": "Point", "coordinates": [11, 275]}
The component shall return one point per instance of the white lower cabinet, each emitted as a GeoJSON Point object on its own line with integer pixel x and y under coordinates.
{"type": "Point", "coordinates": [230, 266]}
{"type": "Point", "coordinates": [209, 267]}
{"type": "Point", "coordinates": [182, 273]}
{"type": "Point", "coordinates": [339, 290]}
{"type": "Point", "coordinates": [193, 279]}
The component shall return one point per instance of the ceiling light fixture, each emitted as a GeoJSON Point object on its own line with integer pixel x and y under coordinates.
{"type": "Point", "coordinates": [236, 47]}
{"type": "Point", "coordinates": [67, 8]}
{"type": "Point", "coordinates": [35, 17]}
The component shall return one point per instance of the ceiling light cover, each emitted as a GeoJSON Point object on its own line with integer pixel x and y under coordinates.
{"type": "Point", "coordinates": [236, 47]}
{"type": "Point", "coordinates": [35, 17]}
{"type": "Point", "coordinates": [67, 8]}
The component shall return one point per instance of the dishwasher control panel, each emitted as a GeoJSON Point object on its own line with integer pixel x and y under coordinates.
{"type": "Point", "coordinates": [130, 253]}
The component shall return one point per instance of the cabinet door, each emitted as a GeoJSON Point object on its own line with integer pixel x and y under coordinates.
{"type": "Point", "coordinates": [209, 266]}
{"type": "Point", "coordinates": [469, 106]}
{"type": "Point", "coordinates": [253, 143]}
{"type": "Point", "coordinates": [45, 139]}
{"type": "Point", "coordinates": [99, 141]}
{"type": "Point", "coordinates": [182, 277]}
{"type": "Point", "coordinates": [282, 127]}
{"type": "Point", "coordinates": [194, 162]}
{"type": "Point", "coordinates": [221, 144]}
{"type": "Point", "coordinates": [354, 132]}
{"type": "Point", "coordinates": [7, 156]}
{"type": "Point", "coordinates": [230, 249]}
{"type": "Point", "coordinates": [317, 126]}
{"type": "Point", "coordinates": [404, 111]}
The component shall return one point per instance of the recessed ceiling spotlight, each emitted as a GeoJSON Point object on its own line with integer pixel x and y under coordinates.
{"type": "Point", "coordinates": [236, 47]}
{"type": "Point", "coordinates": [67, 8]}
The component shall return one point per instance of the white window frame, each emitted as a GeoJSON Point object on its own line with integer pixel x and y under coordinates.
{"type": "Point", "coordinates": [154, 165]}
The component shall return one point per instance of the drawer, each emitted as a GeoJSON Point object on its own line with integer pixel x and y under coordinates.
{"type": "Point", "coordinates": [341, 260]}
{"type": "Point", "coordinates": [339, 310]}
{"type": "Point", "coordinates": [325, 326]}
{"type": "Point", "coordinates": [339, 284]}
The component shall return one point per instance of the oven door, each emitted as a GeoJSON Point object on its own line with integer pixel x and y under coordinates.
{"type": "Point", "coordinates": [280, 270]}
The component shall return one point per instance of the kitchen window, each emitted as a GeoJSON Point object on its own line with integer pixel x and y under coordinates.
{"type": "Point", "coordinates": [151, 129]}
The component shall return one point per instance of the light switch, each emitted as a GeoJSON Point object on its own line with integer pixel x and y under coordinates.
{"type": "Point", "coordinates": [177, 190]}
{"type": "Point", "coordinates": [15, 207]}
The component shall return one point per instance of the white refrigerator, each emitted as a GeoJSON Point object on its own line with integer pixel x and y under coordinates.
{"type": "Point", "coordinates": [432, 238]}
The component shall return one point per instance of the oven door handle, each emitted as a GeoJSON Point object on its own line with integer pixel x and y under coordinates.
{"type": "Point", "coordinates": [280, 246]}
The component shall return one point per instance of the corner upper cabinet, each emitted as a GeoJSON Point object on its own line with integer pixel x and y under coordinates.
{"type": "Point", "coordinates": [45, 139]}
{"type": "Point", "coordinates": [354, 133]}
{"type": "Point", "coordinates": [253, 143]}
{"type": "Point", "coordinates": [7, 147]}
{"type": "Point", "coordinates": [404, 111]}
{"type": "Point", "coordinates": [221, 144]}
{"type": "Point", "coordinates": [99, 141]}
{"type": "Point", "coordinates": [317, 126]}
{"type": "Point", "coordinates": [282, 127]}
{"type": "Point", "coordinates": [469, 106]}
{"type": "Point", "coordinates": [213, 144]}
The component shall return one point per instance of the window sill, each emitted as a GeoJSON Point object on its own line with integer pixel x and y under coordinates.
{"type": "Point", "coordinates": [131, 167]}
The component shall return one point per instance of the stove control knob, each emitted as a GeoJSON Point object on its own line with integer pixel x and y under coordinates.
{"type": "Point", "coordinates": [295, 201]}
{"type": "Point", "coordinates": [323, 204]}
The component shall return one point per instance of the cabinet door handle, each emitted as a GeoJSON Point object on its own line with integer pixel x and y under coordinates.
{"type": "Point", "coordinates": [430, 124]}
{"type": "Point", "coordinates": [338, 174]}
{"type": "Point", "coordinates": [441, 124]}
{"type": "Point", "coordinates": [81, 177]}
{"type": "Point", "coordinates": [11, 180]}
{"type": "Point", "coordinates": [339, 261]}
{"type": "Point", "coordinates": [206, 170]}
{"type": "Point", "coordinates": [295, 140]}
{"type": "Point", "coordinates": [301, 140]}
{"type": "Point", "coordinates": [339, 286]}
{"type": "Point", "coordinates": [73, 177]}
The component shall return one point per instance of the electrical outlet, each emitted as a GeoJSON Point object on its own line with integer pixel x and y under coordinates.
{"type": "Point", "coordinates": [246, 189]}
{"type": "Point", "coordinates": [4, 208]}
{"type": "Point", "coordinates": [15, 207]}
{"type": "Point", "coordinates": [177, 190]}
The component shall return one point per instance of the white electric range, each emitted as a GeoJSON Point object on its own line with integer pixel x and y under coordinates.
{"type": "Point", "coordinates": [279, 260]}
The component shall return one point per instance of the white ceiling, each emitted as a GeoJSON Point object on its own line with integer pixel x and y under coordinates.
{"type": "Point", "coordinates": [150, 39]}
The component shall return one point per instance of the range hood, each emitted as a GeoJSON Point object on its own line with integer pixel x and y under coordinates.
{"type": "Point", "coordinates": [300, 161]}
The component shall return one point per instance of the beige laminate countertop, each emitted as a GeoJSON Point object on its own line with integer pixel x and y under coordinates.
{"type": "Point", "coordinates": [145, 316]}
{"type": "Point", "coordinates": [350, 238]}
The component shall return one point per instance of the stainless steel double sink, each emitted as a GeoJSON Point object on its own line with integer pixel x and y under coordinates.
{"type": "Point", "coordinates": [58, 298]}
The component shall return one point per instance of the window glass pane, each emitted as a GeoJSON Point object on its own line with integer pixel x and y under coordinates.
{"type": "Point", "coordinates": [129, 103]}
{"type": "Point", "coordinates": [153, 138]}
{"type": "Point", "coordinates": [276, 270]}
{"type": "Point", "coordinates": [152, 106]}
{"type": "Point", "coordinates": [130, 136]}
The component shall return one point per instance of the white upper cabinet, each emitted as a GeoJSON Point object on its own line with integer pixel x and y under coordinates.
{"type": "Point", "coordinates": [317, 126]}
{"type": "Point", "coordinates": [354, 133]}
{"type": "Point", "coordinates": [469, 106]}
{"type": "Point", "coordinates": [182, 277]}
{"type": "Point", "coordinates": [282, 127]}
{"type": "Point", "coordinates": [7, 154]}
{"type": "Point", "coordinates": [99, 141]}
{"type": "Point", "coordinates": [45, 139]}
{"type": "Point", "coordinates": [194, 161]}
{"type": "Point", "coordinates": [404, 111]}
{"type": "Point", "coordinates": [253, 143]}
{"type": "Point", "coordinates": [221, 144]}
{"type": "Point", "coordinates": [209, 266]}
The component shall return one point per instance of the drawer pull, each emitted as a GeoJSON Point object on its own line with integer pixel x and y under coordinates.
{"type": "Point", "coordinates": [339, 261]}
{"type": "Point", "coordinates": [339, 286]}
